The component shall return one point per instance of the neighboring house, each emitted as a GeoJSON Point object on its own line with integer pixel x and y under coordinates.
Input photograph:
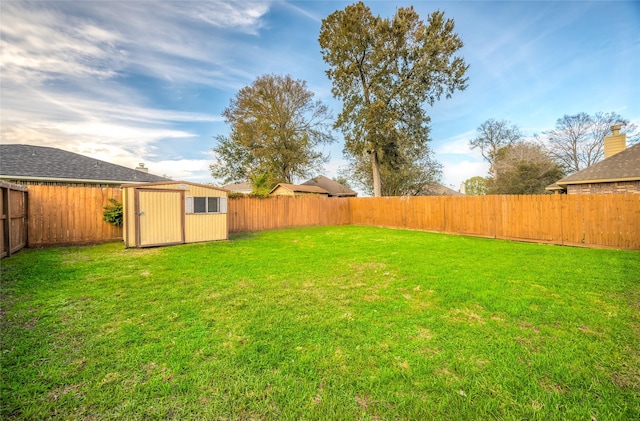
{"type": "Point", "coordinates": [284, 189]}
{"type": "Point", "coordinates": [437, 189]}
{"type": "Point", "coordinates": [244, 188]}
{"type": "Point", "coordinates": [40, 165]}
{"type": "Point", "coordinates": [619, 172]}
{"type": "Point", "coordinates": [334, 188]}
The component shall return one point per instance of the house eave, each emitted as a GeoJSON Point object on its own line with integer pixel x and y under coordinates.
{"type": "Point", "coordinates": [64, 180]}
{"type": "Point", "coordinates": [597, 181]}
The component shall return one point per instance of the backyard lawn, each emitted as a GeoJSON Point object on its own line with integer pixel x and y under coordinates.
{"type": "Point", "coordinates": [322, 323]}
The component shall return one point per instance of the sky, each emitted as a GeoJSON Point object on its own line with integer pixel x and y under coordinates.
{"type": "Point", "coordinates": [141, 81]}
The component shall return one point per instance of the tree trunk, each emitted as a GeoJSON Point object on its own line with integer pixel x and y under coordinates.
{"type": "Point", "coordinates": [375, 168]}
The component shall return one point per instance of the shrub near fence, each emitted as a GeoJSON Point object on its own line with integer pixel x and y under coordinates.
{"type": "Point", "coordinates": [65, 215]}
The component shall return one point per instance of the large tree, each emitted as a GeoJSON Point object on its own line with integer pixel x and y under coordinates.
{"type": "Point", "coordinates": [492, 136]}
{"type": "Point", "coordinates": [276, 126]}
{"type": "Point", "coordinates": [476, 186]}
{"type": "Point", "coordinates": [577, 141]}
{"type": "Point", "coordinates": [384, 71]}
{"type": "Point", "coordinates": [523, 168]}
{"type": "Point", "coordinates": [403, 172]}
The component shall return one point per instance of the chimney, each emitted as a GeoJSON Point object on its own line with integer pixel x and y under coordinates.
{"type": "Point", "coordinates": [463, 188]}
{"type": "Point", "coordinates": [142, 168]}
{"type": "Point", "coordinates": [615, 143]}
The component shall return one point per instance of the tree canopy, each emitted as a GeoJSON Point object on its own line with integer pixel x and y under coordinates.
{"type": "Point", "coordinates": [276, 126]}
{"type": "Point", "coordinates": [523, 168]}
{"type": "Point", "coordinates": [476, 186]}
{"type": "Point", "coordinates": [384, 71]}
{"type": "Point", "coordinates": [492, 136]}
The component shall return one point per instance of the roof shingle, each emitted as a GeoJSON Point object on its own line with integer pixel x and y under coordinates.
{"type": "Point", "coordinates": [623, 166]}
{"type": "Point", "coordinates": [45, 163]}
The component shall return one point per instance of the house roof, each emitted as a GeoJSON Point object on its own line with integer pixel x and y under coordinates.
{"type": "Point", "coordinates": [333, 187]}
{"type": "Point", "coordinates": [297, 188]}
{"type": "Point", "coordinates": [240, 187]}
{"type": "Point", "coordinates": [28, 162]}
{"type": "Point", "coordinates": [437, 189]}
{"type": "Point", "coordinates": [623, 166]}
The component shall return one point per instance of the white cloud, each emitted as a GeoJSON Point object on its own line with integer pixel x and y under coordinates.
{"type": "Point", "coordinates": [458, 144]}
{"type": "Point", "coordinates": [454, 172]}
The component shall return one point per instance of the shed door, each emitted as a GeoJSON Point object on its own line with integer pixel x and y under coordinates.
{"type": "Point", "coordinates": [160, 218]}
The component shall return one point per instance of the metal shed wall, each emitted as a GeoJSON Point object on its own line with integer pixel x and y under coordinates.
{"type": "Point", "coordinates": [161, 198]}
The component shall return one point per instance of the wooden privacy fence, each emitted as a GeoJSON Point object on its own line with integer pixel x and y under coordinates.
{"type": "Point", "coordinates": [65, 215]}
{"type": "Point", "coordinates": [13, 208]}
{"type": "Point", "coordinates": [62, 215]}
{"type": "Point", "coordinates": [603, 220]}
{"type": "Point", "coordinates": [253, 214]}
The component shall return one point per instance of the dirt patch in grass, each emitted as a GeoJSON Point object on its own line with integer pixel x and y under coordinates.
{"type": "Point", "coordinates": [466, 315]}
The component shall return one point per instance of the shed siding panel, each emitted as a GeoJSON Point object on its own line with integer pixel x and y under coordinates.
{"type": "Point", "coordinates": [160, 219]}
{"type": "Point", "coordinates": [205, 227]}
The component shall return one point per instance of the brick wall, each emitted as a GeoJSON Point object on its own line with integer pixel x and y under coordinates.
{"type": "Point", "coordinates": [605, 188]}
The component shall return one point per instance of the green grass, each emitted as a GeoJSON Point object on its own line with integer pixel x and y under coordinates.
{"type": "Point", "coordinates": [322, 323]}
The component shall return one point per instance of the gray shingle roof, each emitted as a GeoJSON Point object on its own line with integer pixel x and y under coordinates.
{"type": "Point", "coordinates": [624, 165]}
{"type": "Point", "coordinates": [45, 163]}
{"type": "Point", "coordinates": [333, 187]}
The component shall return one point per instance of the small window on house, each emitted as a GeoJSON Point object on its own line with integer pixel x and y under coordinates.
{"type": "Point", "coordinates": [206, 205]}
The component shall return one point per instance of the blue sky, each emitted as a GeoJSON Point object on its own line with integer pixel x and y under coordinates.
{"type": "Point", "coordinates": [139, 81]}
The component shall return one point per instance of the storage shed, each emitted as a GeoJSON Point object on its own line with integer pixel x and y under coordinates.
{"type": "Point", "coordinates": [174, 212]}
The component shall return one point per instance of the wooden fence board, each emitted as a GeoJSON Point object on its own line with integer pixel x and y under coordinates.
{"type": "Point", "coordinates": [65, 215]}
{"type": "Point", "coordinates": [13, 218]}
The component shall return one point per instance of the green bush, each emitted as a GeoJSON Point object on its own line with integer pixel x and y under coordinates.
{"type": "Point", "coordinates": [113, 213]}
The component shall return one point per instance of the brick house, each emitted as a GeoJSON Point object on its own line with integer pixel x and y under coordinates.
{"type": "Point", "coordinates": [619, 172]}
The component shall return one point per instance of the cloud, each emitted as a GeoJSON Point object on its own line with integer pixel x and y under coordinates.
{"type": "Point", "coordinates": [454, 173]}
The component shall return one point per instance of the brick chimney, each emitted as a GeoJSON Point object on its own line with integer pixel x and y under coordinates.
{"type": "Point", "coordinates": [142, 168]}
{"type": "Point", "coordinates": [615, 143]}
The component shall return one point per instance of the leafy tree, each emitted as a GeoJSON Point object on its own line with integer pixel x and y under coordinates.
{"type": "Point", "coordinates": [577, 141]}
{"type": "Point", "coordinates": [403, 173]}
{"type": "Point", "coordinates": [275, 128]}
{"type": "Point", "coordinates": [492, 136]}
{"type": "Point", "coordinates": [476, 186]}
{"type": "Point", "coordinates": [384, 71]}
{"type": "Point", "coordinates": [113, 213]}
{"type": "Point", "coordinates": [523, 168]}
{"type": "Point", "coordinates": [342, 180]}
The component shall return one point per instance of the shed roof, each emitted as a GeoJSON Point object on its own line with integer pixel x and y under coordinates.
{"type": "Point", "coordinates": [28, 162]}
{"type": "Point", "coordinates": [332, 187]}
{"type": "Point", "coordinates": [297, 188]}
{"type": "Point", "coordinates": [180, 184]}
{"type": "Point", "coordinates": [623, 166]}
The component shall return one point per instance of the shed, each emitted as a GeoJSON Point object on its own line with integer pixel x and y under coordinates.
{"type": "Point", "coordinates": [174, 212]}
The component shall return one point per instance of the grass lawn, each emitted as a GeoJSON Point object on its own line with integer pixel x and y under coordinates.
{"type": "Point", "coordinates": [322, 323]}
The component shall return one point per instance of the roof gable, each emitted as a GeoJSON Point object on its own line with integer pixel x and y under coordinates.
{"type": "Point", "coordinates": [623, 166]}
{"type": "Point", "coordinates": [297, 188]}
{"type": "Point", "coordinates": [333, 187]}
{"type": "Point", "coordinates": [45, 163]}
